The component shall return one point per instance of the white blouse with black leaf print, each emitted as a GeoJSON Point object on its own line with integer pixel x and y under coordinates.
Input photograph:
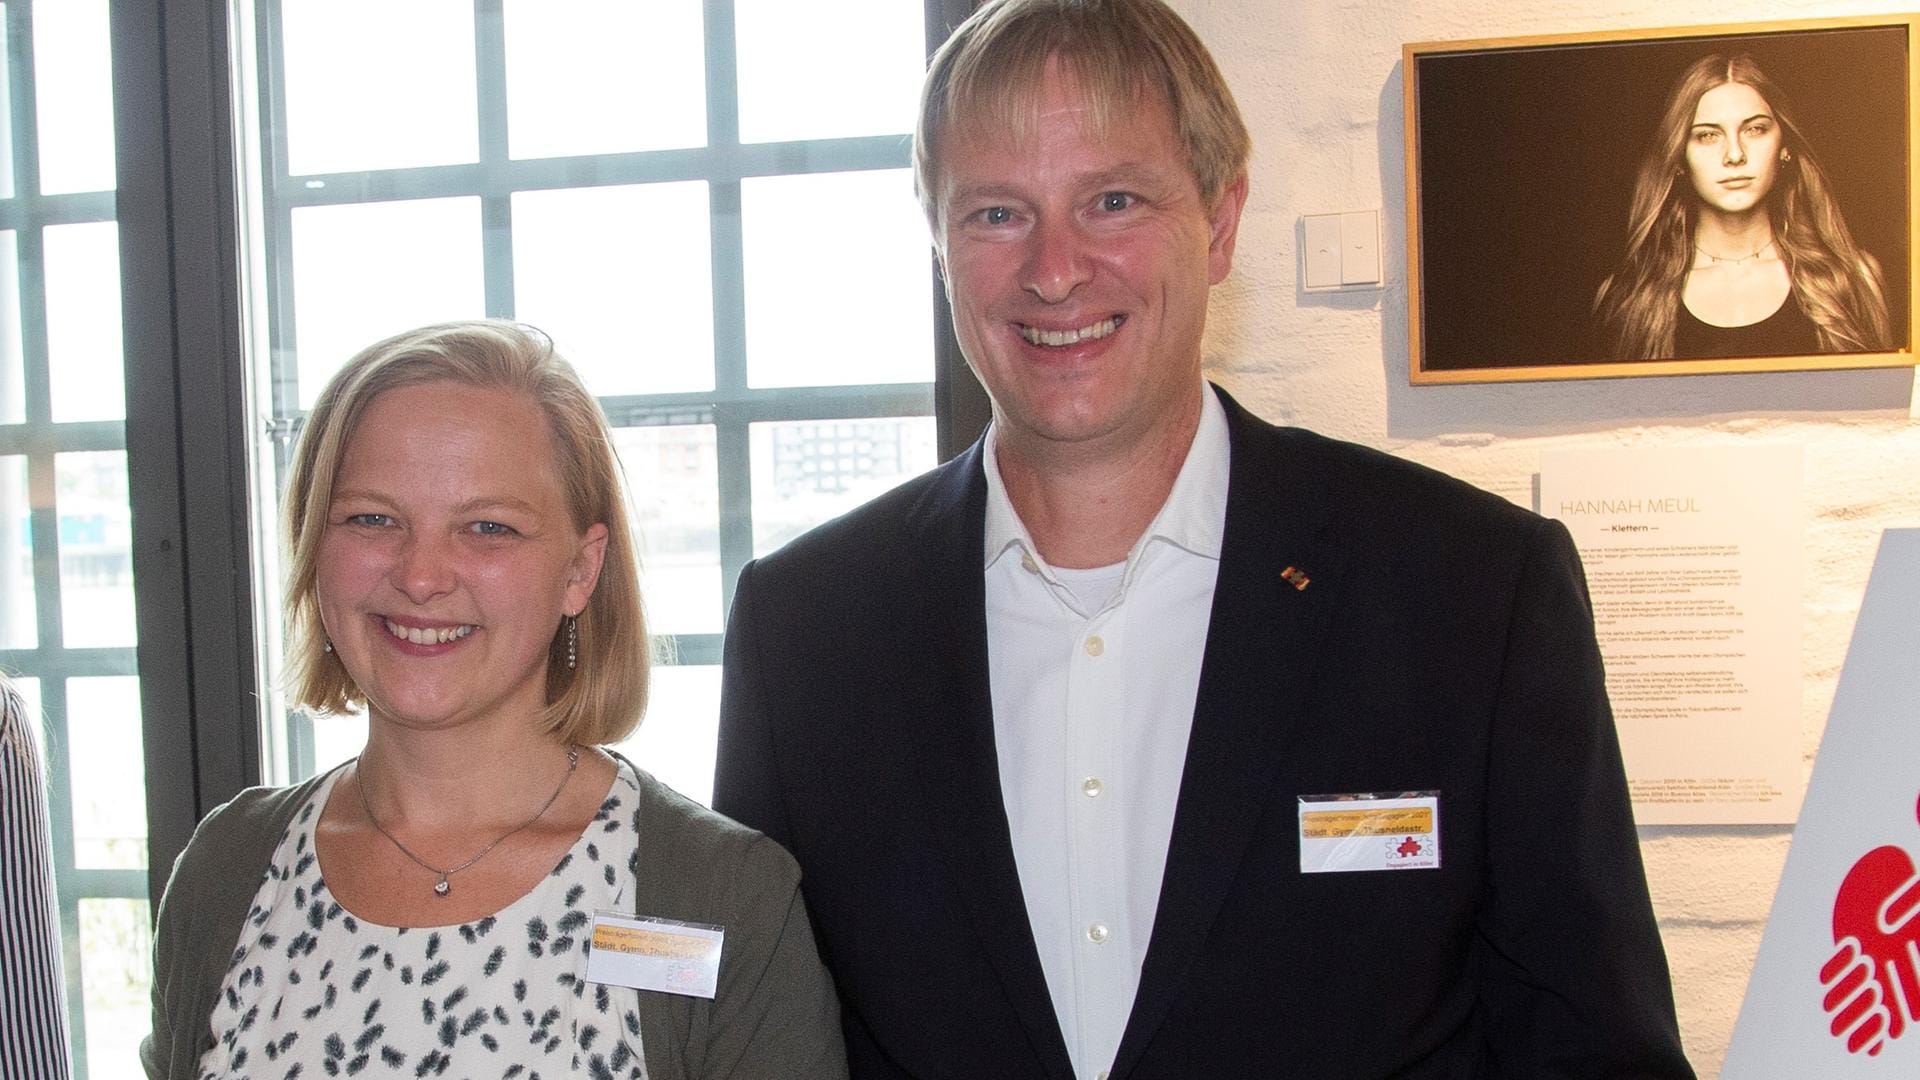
{"type": "Point", "coordinates": [313, 992]}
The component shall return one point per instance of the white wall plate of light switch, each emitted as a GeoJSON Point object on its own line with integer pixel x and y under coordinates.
{"type": "Point", "coordinates": [1341, 251]}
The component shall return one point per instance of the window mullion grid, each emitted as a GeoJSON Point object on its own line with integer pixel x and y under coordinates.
{"type": "Point", "coordinates": [732, 456]}
{"type": "Point", "coordinates": [733, 405]}
{"type": "Point", "coordinates": [496, 191]}
{"type": "Point", "coordinates": [282, 319]}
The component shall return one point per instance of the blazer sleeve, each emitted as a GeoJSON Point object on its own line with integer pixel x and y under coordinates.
{"type": "Point", "coordinates": [746, 783]}
{"type": "Point", "coordinates": [1574, 978]}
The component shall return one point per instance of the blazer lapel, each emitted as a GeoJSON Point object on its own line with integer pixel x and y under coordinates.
{"type": "Point", "coordinates": [960, 768]}
{"type": "Point", "coordinates": [1277, 584]}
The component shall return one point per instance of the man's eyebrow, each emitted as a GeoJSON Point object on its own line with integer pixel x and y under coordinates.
{"type": "Point", "coordinates": [985, 192]}
{"type": "Point", "coordinates": [1126, 174]}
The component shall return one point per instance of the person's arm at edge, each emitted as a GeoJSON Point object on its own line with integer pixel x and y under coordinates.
{"type": "Point", "coordinates": [33, 1001]}
{"type": "Point", "coordinates": [1574, 975]}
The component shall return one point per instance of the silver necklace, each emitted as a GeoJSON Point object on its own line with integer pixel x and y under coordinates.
{"type": "Point", "coordinates": [1735, 260]}
{"type": "Point", "coordinates": [441, 887]}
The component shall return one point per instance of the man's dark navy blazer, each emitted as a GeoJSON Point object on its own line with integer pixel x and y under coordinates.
{"type": "Point", "coordinates": [1443, 641]}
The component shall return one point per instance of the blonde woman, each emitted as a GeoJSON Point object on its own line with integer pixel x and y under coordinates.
{"type": "Point", "coordinates": [461, 572]}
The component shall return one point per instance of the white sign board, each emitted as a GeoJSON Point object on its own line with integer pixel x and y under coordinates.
{"type": "Point", "coordinates": [1835, 992]}
{"type": "Point", "coordinates": [1693, 558]}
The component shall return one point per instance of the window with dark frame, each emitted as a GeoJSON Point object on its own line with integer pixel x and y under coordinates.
{"type": "Point", "coordinates": [763, 445]}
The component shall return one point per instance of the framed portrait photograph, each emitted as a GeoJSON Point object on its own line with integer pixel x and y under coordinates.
{"type": "Point", "coordinates": [1692, 200]}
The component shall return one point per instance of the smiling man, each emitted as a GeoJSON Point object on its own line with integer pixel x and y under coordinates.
{"type": "Point", "coordinates": [1145, 739]}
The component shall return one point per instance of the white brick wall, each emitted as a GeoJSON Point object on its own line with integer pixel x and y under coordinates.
{"type": "Point", "coordinates": [1319, 81]}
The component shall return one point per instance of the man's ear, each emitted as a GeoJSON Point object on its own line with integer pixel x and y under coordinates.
{"type": "Point", "coordinates": [1224, 228]}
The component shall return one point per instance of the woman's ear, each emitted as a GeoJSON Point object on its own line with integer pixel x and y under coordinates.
{"type": "Point", "coordinates": [584, 574]}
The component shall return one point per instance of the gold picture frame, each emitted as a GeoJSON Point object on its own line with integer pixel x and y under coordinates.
{"type": "Point", "coordinates": [1550, 208]}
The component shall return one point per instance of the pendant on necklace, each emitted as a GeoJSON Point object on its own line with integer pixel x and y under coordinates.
{"type": "Point", "coordinates": [441, 888]}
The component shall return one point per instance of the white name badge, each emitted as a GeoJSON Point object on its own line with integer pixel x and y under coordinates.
{"type": "Point", "coordinates": [655, 954]}
{"type": "Point", "coordinates": [1388, 830]}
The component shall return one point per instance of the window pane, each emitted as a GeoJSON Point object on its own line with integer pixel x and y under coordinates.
{"type": "Point", "coordinates": [622, 279]}
{"type": "Point", "coordinates": [372, 84]}
{"type": "Point", "coordinates": [13, 378]}
{"type": "Point", "coordinates": [673, 486]}
{"type": "Point", "coordinates": [115, 944]}
{"type": "Point", "coordinates": [676, 742]}
{"type": "Point", "coordinates": [803, 76]}
{"type": "Point", "coordinates": [83, 321]}
{"type": "Point", "coordinates": [809, 239]}
{"type": "Point", "coordinates": [604, 76]}
{"type": "Point", "coordinates": [96, 549]}
{"type": "Point", "coordinates": [29, 688]}
{"type": "Point", "coordinates": [337, 738]}
{"type": "Point", "coordinates": [73, 94]}
{"type": "Point", "coordinates": [17, 626]}
{"type": "Point", "coordinates": [6, 109]}
{"type": "Point", "coordinates": [107, 770]}
{"type": "Point", "coordinates": [362, 271]}
{"type": "Point", "coordinates": [805, 472]}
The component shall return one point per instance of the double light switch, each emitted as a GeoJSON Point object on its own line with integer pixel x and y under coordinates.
{"type": "Point", "coordinates": [1342, 250]}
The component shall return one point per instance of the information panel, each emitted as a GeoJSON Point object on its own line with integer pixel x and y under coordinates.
{"type": "Point", "coordinates": [1694, 560]}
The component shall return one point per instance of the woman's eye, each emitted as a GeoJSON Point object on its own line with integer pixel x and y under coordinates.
{"type": "Point", "coordinates": [491, 528]}
{"type": "Point", "coordinates": [1114, 201]}
{"type": "Point", "coordinates": [373, 521]}
{"type": "Point", "coordinates": [996, 215]}
{"type": "Point", "coordinates": [1705, 136]}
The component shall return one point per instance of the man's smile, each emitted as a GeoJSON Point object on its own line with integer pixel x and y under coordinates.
{"type": "Point", "coordinates": [1060, 338]}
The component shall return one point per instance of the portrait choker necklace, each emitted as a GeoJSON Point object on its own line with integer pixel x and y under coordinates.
{"type": "Point", "coordinates": [442, 887]}
{"type": "Point", "coordinates": [1736, 260]}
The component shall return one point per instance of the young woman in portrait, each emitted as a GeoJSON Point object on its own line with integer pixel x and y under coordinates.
{"type": "Point", "coordinates": [1736, 246]}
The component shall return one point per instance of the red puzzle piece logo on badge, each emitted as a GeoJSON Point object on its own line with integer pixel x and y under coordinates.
{"type": "Point", "coordinates": [1409, 847]}
{"type": "Point", "coordinates": [1873, 977]}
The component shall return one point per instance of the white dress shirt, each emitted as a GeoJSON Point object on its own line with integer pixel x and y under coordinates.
{"type": "Point", "coordinates": [1094, 674]}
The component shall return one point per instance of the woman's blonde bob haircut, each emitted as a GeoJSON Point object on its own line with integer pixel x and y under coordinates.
{"type": "Point", "coordinates": [601, 699]}
{"type": "Point", "coordinates": [989, 71]}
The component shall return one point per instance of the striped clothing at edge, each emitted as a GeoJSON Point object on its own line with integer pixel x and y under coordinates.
{"type": "Point", "coordinates": [33, 1025]}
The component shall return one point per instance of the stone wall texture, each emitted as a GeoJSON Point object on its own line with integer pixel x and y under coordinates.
{"type": "Point", "coordinates": [1320, 83]}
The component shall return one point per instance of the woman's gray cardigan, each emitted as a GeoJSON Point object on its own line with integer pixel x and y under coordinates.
{"type": "Point", "coordinates": [775, 1014]}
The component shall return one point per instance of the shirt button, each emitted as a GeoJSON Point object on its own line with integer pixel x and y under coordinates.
{"type": "Point", "coordinates": [1095, 646]}
{"type": "Point", "coordinates": [1097, 933]}
{"type": "Point", "coordinates": [1091, 787]}
{"type": "Point", "coordinates": [1027, 564]}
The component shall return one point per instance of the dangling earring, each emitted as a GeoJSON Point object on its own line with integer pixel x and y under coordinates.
{"type": "Point", "coordinates": [1786, 155]}
{"type": "Point", "coordinates": [326, 645]}
{"type": "Point", "coordinates": [573, 642]}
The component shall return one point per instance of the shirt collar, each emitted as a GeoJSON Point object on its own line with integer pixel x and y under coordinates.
{"type": "Point", "coordinates": [1193, 518]}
